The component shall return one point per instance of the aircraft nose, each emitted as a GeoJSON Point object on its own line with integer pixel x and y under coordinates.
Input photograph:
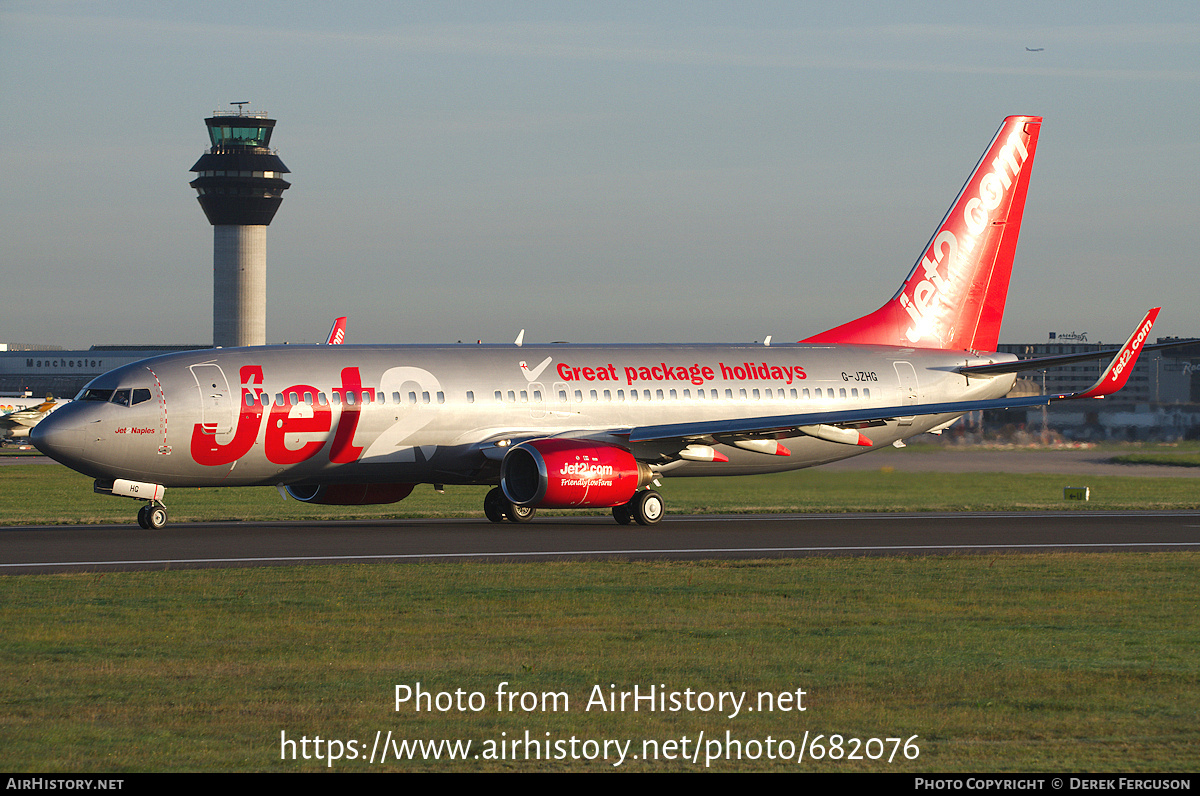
{"type": "Point", "coordinates": [60, 435]}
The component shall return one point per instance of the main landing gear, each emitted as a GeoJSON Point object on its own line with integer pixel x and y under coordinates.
{"type": "Point", "coordinates": [152, 516]}
{"type": "Point", "coordinates": [497, 507]}
{"type": "Point", "coordinates": [646, 507]}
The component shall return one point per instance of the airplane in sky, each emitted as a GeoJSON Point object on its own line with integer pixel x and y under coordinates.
{"type": "Point", "coordinates": [587, 426]}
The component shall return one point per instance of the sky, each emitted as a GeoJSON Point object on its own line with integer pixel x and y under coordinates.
{"type": "Point", "coordinates": [591, 172]}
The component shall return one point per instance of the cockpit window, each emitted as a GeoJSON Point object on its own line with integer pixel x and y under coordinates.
{"type": "Point", "coordinates": [140, 396]}
{"type": "Point", "coordinates": [94, 394]}
{"type": "Point", "coordinates": [121, 398]}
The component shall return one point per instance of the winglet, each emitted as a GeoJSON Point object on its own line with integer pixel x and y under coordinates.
{"type": "Point", "coordinates": [337, 332]}
{"type": "Point", "coordinates": [1119, 370]}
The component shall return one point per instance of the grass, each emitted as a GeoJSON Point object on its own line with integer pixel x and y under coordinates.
{"type": "Point", "coordinates": [1048, 662]}
{"type": "Point", "coordinates": [1000, 663]}
{"type": "Point", "coordinates": [49, 494]}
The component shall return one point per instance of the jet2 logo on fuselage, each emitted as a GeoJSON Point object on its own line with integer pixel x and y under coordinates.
{"type": "Point", "coordinates": [532, 375]}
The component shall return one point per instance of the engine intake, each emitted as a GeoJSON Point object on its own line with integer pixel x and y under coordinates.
{"type": "Point", "coordinates": [350, 494]}
{"type": "Point", "coordinates": [568, 473]}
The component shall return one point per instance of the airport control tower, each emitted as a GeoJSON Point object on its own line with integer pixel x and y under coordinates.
{"type": "Point", "coordinates": [240, 186]}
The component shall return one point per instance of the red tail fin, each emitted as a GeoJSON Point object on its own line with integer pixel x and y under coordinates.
{"type": "Point", "coordinates": [337, 332]}
{"type": "Point", "coordinates": [954, 296]}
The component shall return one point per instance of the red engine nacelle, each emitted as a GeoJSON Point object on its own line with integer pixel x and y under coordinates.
{"type": "Point", "coordinates": [350, 494]}
{"type": "Point", "coordinates": [570, 473]}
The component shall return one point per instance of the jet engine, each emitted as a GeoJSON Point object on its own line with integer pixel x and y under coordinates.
{"type": "Point", "coordinates": [350, 494]}
{"type": "Point", "coordinates": [570, 473]}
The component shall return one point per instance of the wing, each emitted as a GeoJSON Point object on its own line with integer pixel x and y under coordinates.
{"type": "Point", "coordinates": [842, 425]}
{"type": "Point", "coordinates": [693, 440]}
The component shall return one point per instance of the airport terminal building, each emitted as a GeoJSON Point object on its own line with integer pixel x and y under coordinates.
{"type": "Point", "coordinates": [44, 370]}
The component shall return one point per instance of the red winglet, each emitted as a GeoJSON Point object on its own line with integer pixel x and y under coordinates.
{"type": "Point", "coordinates": [1118, 371]}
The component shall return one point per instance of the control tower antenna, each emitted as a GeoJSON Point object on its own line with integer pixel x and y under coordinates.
{"type": "Point", "coordinates": [240, 185]}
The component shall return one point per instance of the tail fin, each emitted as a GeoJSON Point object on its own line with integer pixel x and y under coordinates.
{"type": "Point", "coordinates": [954, 296]}
{"type": "Point", "coordinates": [337, 332]}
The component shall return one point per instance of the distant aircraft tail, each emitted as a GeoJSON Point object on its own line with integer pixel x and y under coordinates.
{"type": "Point", "coordinates": [954, 296]}
{"type": "Point", "coordinates": [337, 332]}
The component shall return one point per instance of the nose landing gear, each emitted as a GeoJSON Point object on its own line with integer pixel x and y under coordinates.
{"type": "Point", "coordinates": [152, 516]}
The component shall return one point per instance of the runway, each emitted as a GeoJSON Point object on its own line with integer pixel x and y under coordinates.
{"type": "Point", "coordinates": [101, 548]}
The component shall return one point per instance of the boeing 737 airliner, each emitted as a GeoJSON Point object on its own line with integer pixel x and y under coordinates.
{"type": "Point", "coordinates": [564, 426]}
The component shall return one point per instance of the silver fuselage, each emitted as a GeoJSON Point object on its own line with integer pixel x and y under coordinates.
{"type": "Point", "coordinates": [433, 414]}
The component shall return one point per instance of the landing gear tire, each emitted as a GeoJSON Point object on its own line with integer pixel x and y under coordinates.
{"type": "Point", "coordinates": [648, 507]}
{"type": "Point", "coordinates": [493, 505]}
{"type": "Point", "coordinates": [152, 517]}
{"type": "Point", "coordinates": [623, 514]}
{"type": "Point", "coordinates": [497, 508]}
{"type": "Point", "coordinates": [520, 513]}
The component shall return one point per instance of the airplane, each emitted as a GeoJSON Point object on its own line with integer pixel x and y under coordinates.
{"type": "Point", "coordinates": [578, 426]}
{"type": "Point", "coordinates": [19, 415]}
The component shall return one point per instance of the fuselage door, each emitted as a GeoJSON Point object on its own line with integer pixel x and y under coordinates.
{"type": "Point", "coordinates": [907, 376]}
{"type": "Point", "coordinates": [537, 400]}
{"type": "Point", "coordinates": [560, 400]}
{"type": "Point", "coordinates": [216, 404]}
